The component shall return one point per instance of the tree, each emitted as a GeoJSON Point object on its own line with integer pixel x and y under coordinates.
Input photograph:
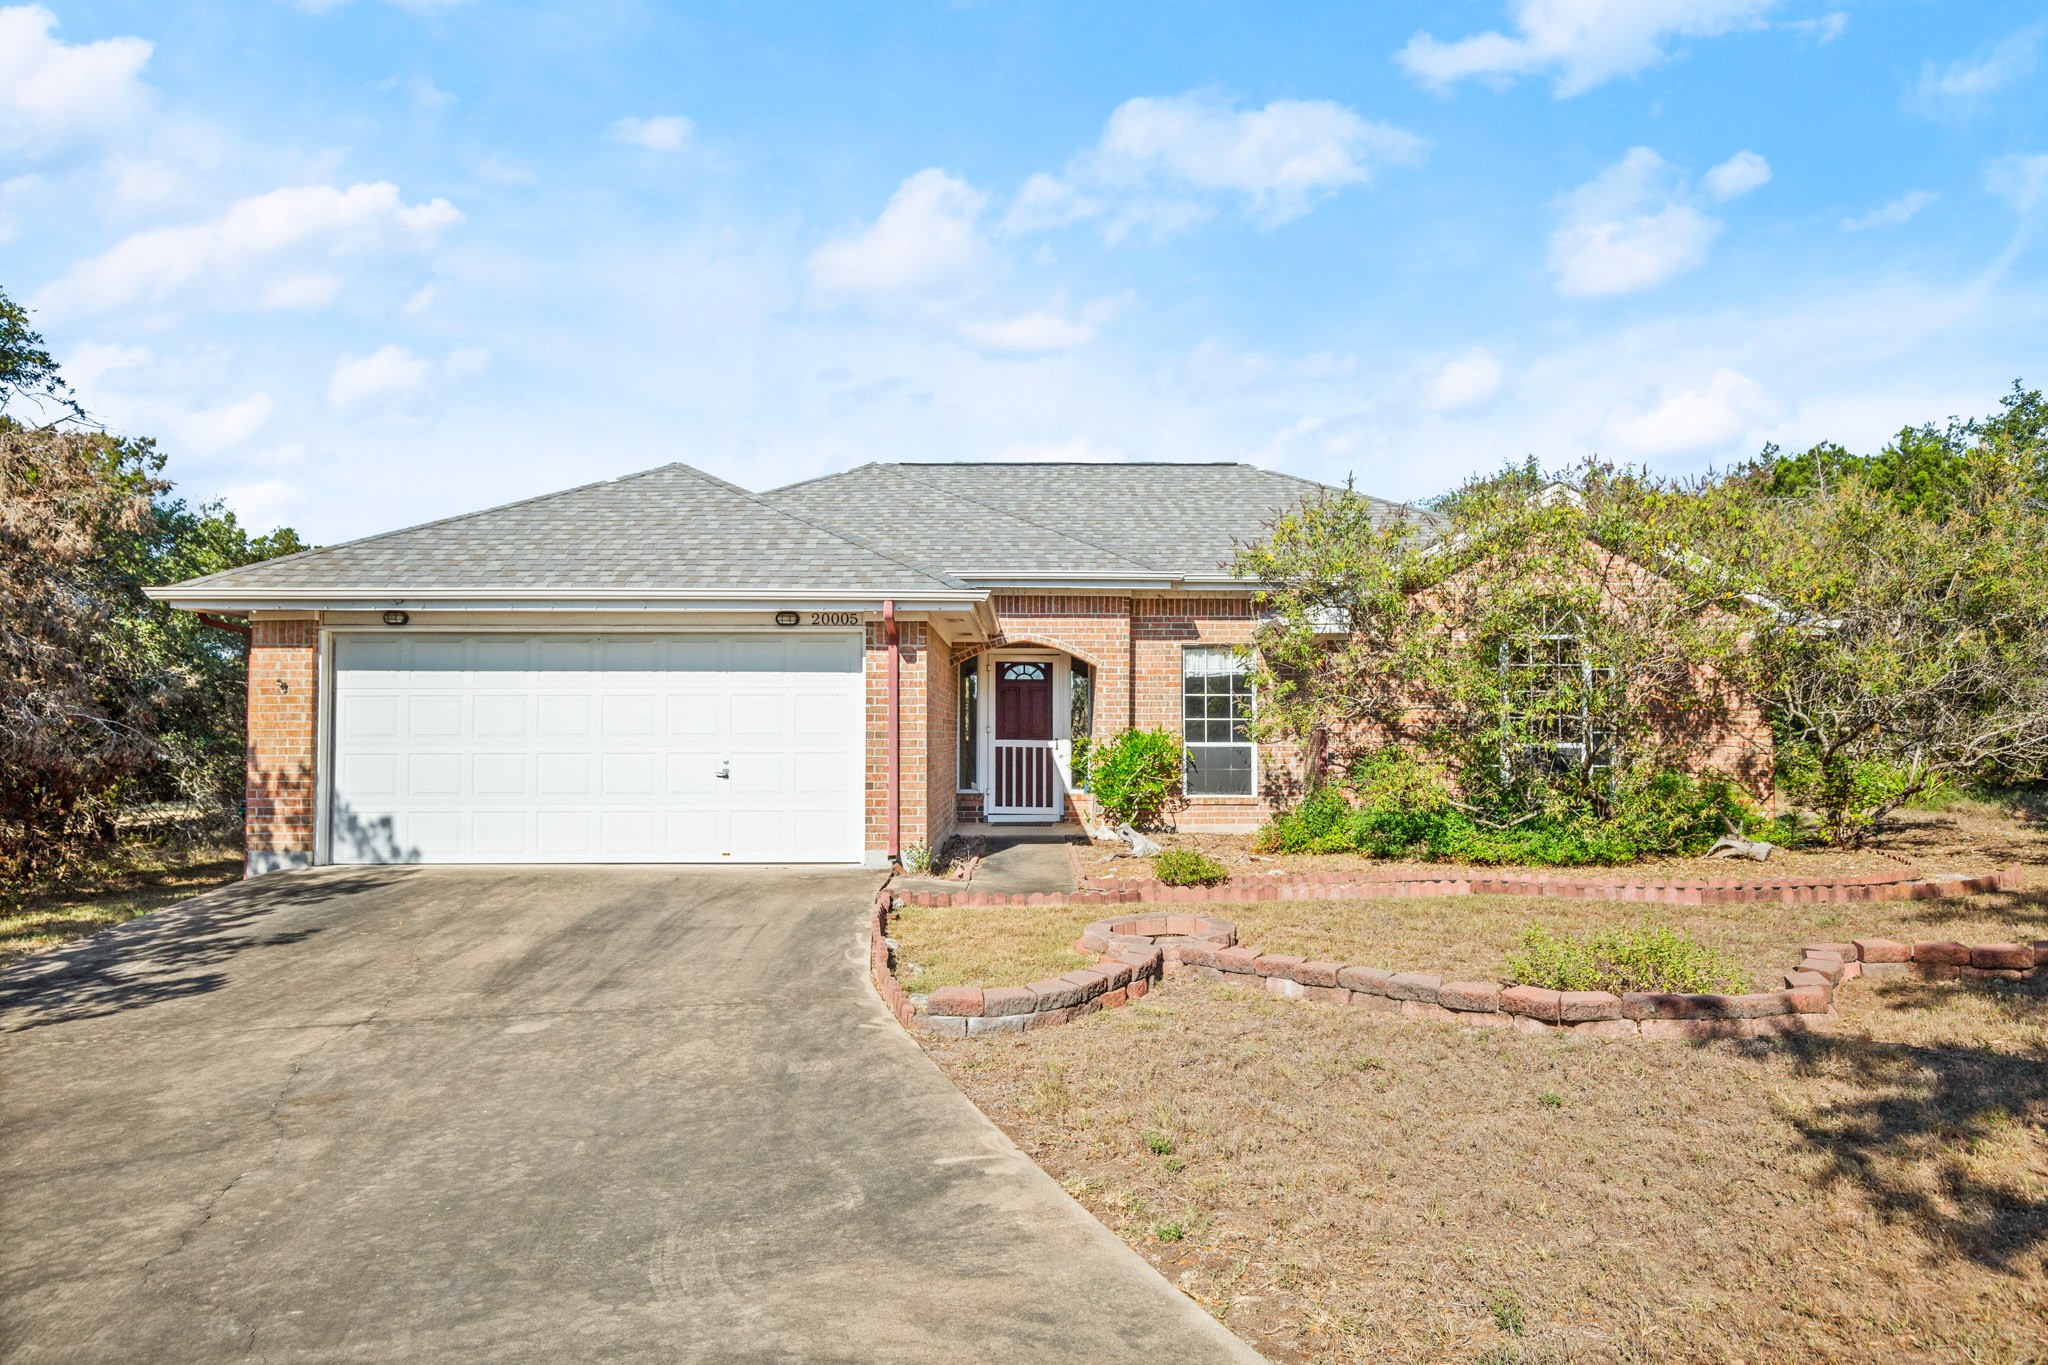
{"type": "Point", "coordinates": [26, 369]}
{"type": "Point", "coordinates": [1898, 630]}
{"type": "Point", "coordinates": [1524, 637]}
{"type": "Point", "coordinates": [76, 720]}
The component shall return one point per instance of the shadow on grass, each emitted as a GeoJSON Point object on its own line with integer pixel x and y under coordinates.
{"type": "Point", "coordinates": [1909, 1141]}
{"type": "Point", "coordinates": [176, 953]}
{"type": "Point", "coordinates": [2027, 908]}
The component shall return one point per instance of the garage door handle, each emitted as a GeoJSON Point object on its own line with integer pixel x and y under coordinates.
{"type": "Point", "coordinates": [725, 771]}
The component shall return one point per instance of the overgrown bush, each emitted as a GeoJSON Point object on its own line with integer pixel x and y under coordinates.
{"type": "Point", "coordinates": [1640, 958]}
{"type": "Point", "coordinates": [1135, 775]}
{"type": "Point", "coordinates": [1400, 806]}
{"type": "Point", "coordinates": [1187, 867]}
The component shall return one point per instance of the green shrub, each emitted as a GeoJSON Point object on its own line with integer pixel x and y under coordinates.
{"type": "Point", "coordinates": [1640, 958]}
{"type": "Point", "coordinates": [1135, 775]}
{"type": "Point", "coordinates": [1186, 867]}
{"type": "Point", "coordinates": [1401, 806]}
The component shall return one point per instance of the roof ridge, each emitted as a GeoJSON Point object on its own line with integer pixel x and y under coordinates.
{"type": "Point", "coordinates": [1006, 512]}
{"type": "Point", "coordinates": [936, 575]}
{"type": "Point", "coordinates": [451, 520]}
{"type": "Point", "coordinates": [823, 478]}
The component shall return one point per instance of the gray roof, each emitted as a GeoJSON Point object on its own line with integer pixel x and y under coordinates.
{"type": "Point", "coordinates": [668, 529]}
{"type": "Point", "coordinates": [902, 530]}
{"type": "Point", "coordinates": [988, 522]}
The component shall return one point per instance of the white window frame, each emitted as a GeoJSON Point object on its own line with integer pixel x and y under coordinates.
{"type": "Point", "coordinates": [1593, 736]}
{"type": "Point", "coordinates": [1239, 669]}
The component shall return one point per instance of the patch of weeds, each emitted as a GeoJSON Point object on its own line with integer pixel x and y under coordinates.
{"type": "Point", "coordinates": [1550, 1099]}
{"type": "Point", "coordinates": [1175, 1165]}
{"type": "Point", "coordinates": [1158, 1143]}
{"type": "Point", "coordinates": [1508, 1313]}
{"type": "Point", "coordinates": [1506, 1353]}
{"type": "Point", "coordinates": [1186, 867]}
{"type": "Point", "coordinates": [1620, 960]}
{"type": "Point", "coordinates": [1170, 1232]}
{"type": "Point", "coordinates": [1363, 1062]}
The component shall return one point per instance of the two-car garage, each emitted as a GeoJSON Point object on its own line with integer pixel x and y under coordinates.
{"type": "Point", "coordinates": [606, 747]}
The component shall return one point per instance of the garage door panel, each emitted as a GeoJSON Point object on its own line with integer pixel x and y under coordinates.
{"type": "Point", "coordinates": [430, 775]}
{"type": "Point", "coordinates": [497, 775]}
{"type": "Point", "coordinates": [563, 716]}
{"type": "Point", "coordinates": [508, 748]}
{"type": "Point", "coordinates": [498, 717]}
{"type": "Point", "coordinates": [369, 717]}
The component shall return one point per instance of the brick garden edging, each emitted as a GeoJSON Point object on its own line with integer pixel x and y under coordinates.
{"type": "Point", "coordinates": [1905, 883]}
{"type": "Point", "coordinates": [1137, 950]}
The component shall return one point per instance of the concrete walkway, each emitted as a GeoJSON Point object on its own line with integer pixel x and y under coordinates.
{"type": "Point", "coordinates": [523, 1115]}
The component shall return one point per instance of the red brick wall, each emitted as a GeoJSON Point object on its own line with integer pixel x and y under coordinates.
{"type": "Point", "coordinates": [942, 743]}
{"type": "Point", "coordinates": [916, 665]}
{"type": "Point", "coordinates": [283, 712]}
{"type": "Point", "coordinates": [1096, 629]}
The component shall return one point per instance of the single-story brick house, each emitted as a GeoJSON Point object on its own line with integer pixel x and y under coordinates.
{"type": "Point", "coordinates": [668, 668]}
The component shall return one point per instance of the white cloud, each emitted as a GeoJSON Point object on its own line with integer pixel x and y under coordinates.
{"type": "Point", "coordinates": [51, 91]}
{"type": "Point", "coordinates": [2021, 181]}
{"type": "Point", "coordinates": [660, 133]}
{"type": "Point", "coordinates": [92, 361]}
{"type": "Point", "coordinates": [1040, 333]}
{"type": "Point", "coordinates": [1892, 214]}
{"type": "Point", "coordinates": [425, 94]}
{"type": "Point", "coordinates": [1465, 381]}
{"type": "Point", "coordinates": [926, 239]}
{"type": "Point", "coordinates": [1961, 85]}
{"type": "Point", "coordinates": [212, 431]}
{"type": "Point", "coordinates": [1824, 29]}
{"type": "Point", "coordinates": [1584, 42]}
{"type": "Point", "coordinates": [257, 252]}
{"type": "Point", "coordinates": [1729, 406]}
{"type": "Point", "coordinates": [391, 378]}
{"type": "Point", "coordinates": [1163, 164]}
{"type": "Point", "coordinates": [1738, 175]}
{"type": "Point", "coordinates": [1628, 230]}
{"type": "Point", "coordinates": [266, 503]}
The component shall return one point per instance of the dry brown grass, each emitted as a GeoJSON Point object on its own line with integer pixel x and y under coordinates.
{"type": "Point", "coordinates": [1338, 1185]}
{"type": "Point", "coordinates": [114, 889]}
{"type": "Point", "coordinates": [1450, 935]}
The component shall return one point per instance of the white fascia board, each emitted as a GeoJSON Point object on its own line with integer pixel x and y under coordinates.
{"type": "Point", "coordinates": [565, 600]}
{"type": "Point", "coordinates": [1044, 582]}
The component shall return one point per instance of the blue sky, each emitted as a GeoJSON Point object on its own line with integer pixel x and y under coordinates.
{"type": "Point", "coordinates": [359, 263]}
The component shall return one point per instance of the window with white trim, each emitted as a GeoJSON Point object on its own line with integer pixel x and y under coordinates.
{"type": "Point", "coordinates": [1549, 701]}
{"type": "Point", "coordinates": [1216, 722]}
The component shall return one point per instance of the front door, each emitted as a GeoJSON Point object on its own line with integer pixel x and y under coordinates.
{"type": "Point", "coordinates": [1027, 785]}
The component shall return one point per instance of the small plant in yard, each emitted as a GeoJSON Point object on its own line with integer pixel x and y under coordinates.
{"type": "Point", "coordinates": [1135, 775]}
{"type": "Point", "coordinates": [917, 859]}
{"type": "Point", "coordinates": [1186, 867]}
{"type": "Point", "coordinates": [1507, 1311]}
{"type": "Point", "coordinates": [1634, 958]}
{"type": "Point", "coordinates": [1170, 1232]}
{"type": "Point", "coordinates": [1550, 1099]}
{"type": "Point", "coordinates": [1158, 1143]}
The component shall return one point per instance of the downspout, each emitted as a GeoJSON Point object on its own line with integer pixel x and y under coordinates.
{"type": "Point", "coordinates": [895, 735]}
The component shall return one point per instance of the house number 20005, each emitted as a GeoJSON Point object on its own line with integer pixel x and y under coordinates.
{"type": "Point", "coordinates": [835, 618]}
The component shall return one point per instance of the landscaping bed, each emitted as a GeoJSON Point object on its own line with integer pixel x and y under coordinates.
{"type": "Point", "coordinates": [1453, 936]}
{"type": "Point", "coordinates": [1963, 836]}
{"type": "Point", "coordinates": [1338, 1184]}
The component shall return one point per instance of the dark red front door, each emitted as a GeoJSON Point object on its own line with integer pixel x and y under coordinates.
{"type": "Point", "coordinates": [1024, 700]}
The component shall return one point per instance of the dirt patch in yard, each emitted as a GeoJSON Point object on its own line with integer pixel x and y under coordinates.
{"type": "Point", "coordinates": [117, 887]}
{"type": "Point", "coordinates": [1962, 836]}
{"type": "Point", "coordinates": [1338, 1185]}
{"type": "Point", "coordinates": [1452, 936]}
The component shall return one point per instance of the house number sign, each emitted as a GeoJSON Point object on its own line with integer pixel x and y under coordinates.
{"type": "Point", "coordinates": [835, 618]}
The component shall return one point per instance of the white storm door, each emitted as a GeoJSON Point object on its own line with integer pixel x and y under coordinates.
{"type": "Point", "coordinates": [597, 748]}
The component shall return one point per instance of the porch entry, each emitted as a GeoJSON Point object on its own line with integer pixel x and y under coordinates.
{"type": "Point", "coordinates": [1025, 783]}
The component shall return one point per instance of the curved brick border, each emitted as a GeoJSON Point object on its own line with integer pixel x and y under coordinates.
{"type": "Point", "coordinates": [1138, 949]}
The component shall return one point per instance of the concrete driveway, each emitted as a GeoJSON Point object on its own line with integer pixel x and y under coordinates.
{"type": "Point", "coordinates": [523, 1114]}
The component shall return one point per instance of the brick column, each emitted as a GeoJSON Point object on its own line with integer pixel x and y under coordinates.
{"type": "Point", "coordinates": [283, 710]}
{"type": "Point", "coordinates": [911, 637]}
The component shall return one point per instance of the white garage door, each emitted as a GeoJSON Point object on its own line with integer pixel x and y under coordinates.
{"type": "Point", "coordinates": [597, 748]}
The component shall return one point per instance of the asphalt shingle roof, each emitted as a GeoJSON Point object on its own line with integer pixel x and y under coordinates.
{"type": "Point", "coordinates": [1084, 518]}
{"type": "Point", "coordinates": [885, 529]}
{"type": "Point", "coordinates": [673, 528]}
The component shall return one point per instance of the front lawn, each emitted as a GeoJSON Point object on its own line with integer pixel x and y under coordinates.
{"type": "Point", "coordinates": [1451, 936]}
{"type": "Point", "coordinates": [115, 888]}
{"type": "Point", "coordinates": [1339, 1185]}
